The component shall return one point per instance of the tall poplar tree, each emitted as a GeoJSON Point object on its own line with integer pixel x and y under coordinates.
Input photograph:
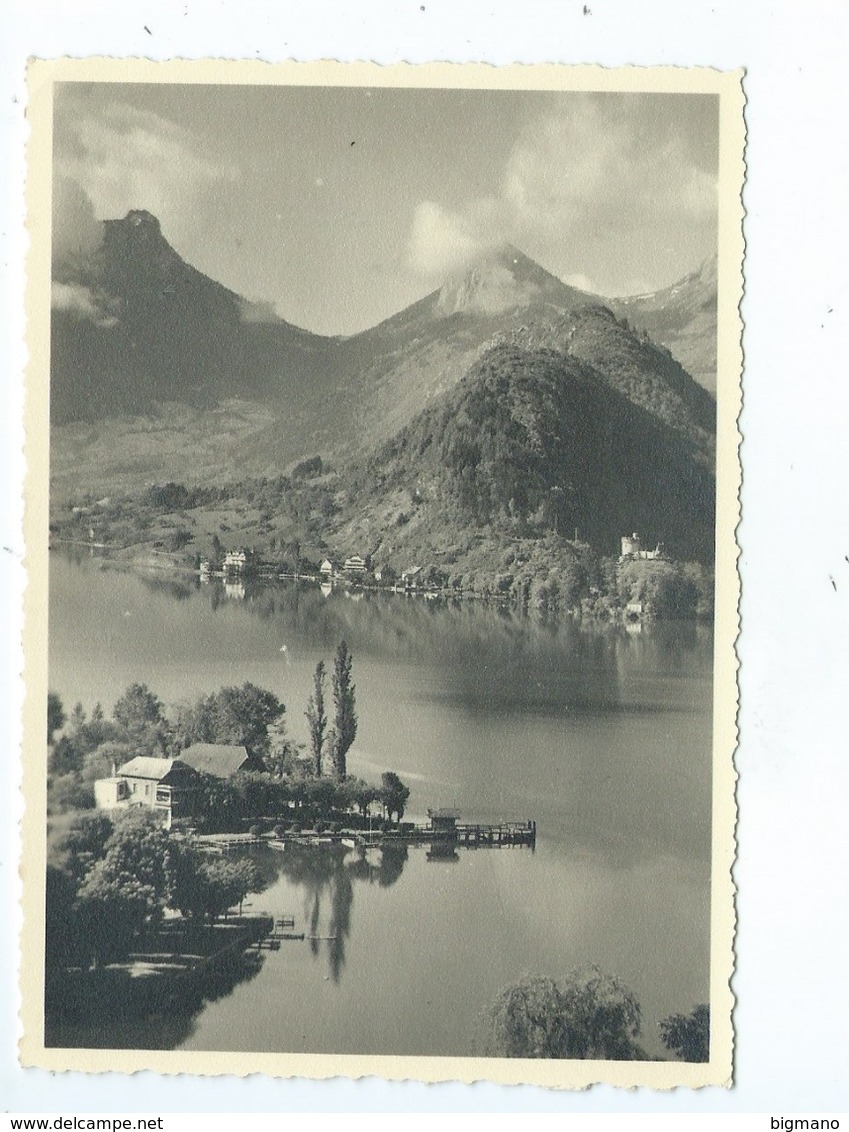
{"type": "Point", "coordinates": [345, 718]}
{"type": "Point", "coordinates": [317, 716]}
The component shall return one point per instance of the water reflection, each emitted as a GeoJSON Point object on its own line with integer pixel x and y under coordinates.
{"type": "Point", "coordinates": [180, 588]}
{"type": "Point", "coordinates": [526, 670]}
{"type": "Point", "coordinates": [326, 876]}
{"type": "Point", "coordinates": [601, 736]}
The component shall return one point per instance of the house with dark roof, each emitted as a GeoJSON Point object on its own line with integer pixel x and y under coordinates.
{"type": "Point", "coordinates": [222, 760]}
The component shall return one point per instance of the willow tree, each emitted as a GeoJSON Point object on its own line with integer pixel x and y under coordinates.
{"type": "Point", "coordinates": [586, 1015]}
{"type": "Point", "coordinates": [345, 716]}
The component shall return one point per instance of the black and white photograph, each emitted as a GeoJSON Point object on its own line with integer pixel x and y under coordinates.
{"type": "Point", "coordinates": [389, 571]}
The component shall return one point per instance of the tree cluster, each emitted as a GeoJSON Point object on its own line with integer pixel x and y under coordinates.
{"type": "Point", "coordinates": [296, 802]}
{"type": "Point", "coordinates": [248, 716]}
{"type": "Point", "coordinates": [688, 1035]}
{"type": "Point", "coordinates": [108, 883]}
{"type": "Point", "coordinates": [289, 790]}
{"type": "Point", "coordinates": [92, 746]}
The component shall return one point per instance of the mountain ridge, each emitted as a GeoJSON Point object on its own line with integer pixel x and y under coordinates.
{"type": "Point", "coordinates": [155, 367]}
{"type": "Point", "coordinates": [681, 317]}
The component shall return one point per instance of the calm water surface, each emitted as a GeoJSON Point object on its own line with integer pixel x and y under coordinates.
{"type": "Point", "coordinates": [603, 737]}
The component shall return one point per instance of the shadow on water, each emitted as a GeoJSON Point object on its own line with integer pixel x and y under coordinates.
{"type": "Point", "coordinates": [112, 1009]}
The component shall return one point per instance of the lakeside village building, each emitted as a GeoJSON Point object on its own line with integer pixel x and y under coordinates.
{"type": "Point", "coordinates": [169, 786]}
{"type": "Point", "coordinates": [354, 567]}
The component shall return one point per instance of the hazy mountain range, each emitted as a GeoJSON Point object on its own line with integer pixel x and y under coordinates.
{"type": "Point", "coordinates": [159, 373]}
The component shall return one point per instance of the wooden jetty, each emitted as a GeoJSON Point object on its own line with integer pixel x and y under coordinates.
{"type": "Point", "coordinates": [443, 826]}
{"type": "Point", "coordinates": [276, 934]}
{"type": "Point", "coordinates": [269, 943]}
{"type": "Point", "coordinates": [497, 836]}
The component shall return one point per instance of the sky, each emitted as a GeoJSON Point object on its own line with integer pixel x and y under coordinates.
{"type": "Point", "coordinates": [338, 207]}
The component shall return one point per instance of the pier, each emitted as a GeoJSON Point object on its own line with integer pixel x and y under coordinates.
{"type": "Point", "coordinates": [443, 827]}
{"type": "Point", "coordinates": [497, 836]}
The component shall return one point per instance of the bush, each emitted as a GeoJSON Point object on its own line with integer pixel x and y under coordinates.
{"type": "Point", "coordinates": [255, 831]}
{"type": "Point", "coordinates": [279, 830]}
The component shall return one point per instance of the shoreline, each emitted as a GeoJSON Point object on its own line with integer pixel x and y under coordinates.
{"type": "Point", "coordinates": [612, 615]}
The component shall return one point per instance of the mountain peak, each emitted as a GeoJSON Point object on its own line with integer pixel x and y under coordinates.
{"type": "Point", "coordinates": [500, 279]}
{"type": "Point", "coordinates": [136, 242]}
{"type": "Point", "coordinates": [137, 224]}
{"type": "Point", "coordinates": [137, 217]}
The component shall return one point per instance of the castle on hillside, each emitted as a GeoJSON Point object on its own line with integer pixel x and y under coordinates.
{"type": "Point", "coordinates": [632, 547]}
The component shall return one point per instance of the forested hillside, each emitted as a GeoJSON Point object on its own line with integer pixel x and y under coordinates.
{"type": "Point", "coordinates": [537, 441]}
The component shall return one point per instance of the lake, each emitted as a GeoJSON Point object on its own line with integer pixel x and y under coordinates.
{"type": "Point", "coordinates": [602, 736]}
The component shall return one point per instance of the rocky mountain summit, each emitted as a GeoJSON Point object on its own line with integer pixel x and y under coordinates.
{"type": "Point", "coordinates": [160, 373]}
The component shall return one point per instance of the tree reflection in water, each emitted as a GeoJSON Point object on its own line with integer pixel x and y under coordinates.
{"type": "Point", "coordinates": [327, 874]}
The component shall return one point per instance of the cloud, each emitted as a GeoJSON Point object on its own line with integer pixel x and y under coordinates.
{"type": "Point", "coordinates": [76, 229]}
{"type": "Point", "coordinates": [611, 161]}
{"type": "Point", "coordinates": [257, 312]}
{"type": "Point", "coordinates": [123, 157]}
{"type": "Point", "coordinates": [581, 282]}
{"type": "Point", "coordinates": [602, 187]}
{"type": "Point", "coordinates": [442, 241]}
{"type": "Point", "coordinates": [80, 301]}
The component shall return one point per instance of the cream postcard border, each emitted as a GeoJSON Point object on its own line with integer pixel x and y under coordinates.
{"type": "Point", "coordinates": [557, 1074]}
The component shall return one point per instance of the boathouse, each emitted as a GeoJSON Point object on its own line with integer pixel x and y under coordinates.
{"type": "Point", "coordinates": [444, 822]}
